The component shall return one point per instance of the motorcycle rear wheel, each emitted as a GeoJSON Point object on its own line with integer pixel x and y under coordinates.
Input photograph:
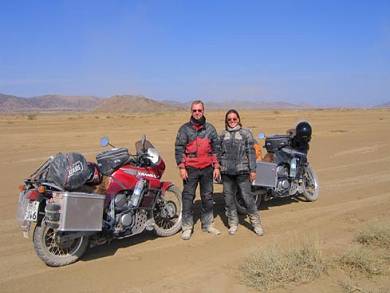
{"type": "Point", "coordinates": [167, 213]}
{"type": "Point", "coordinates": [51, 252]}
{"type": "Point", "coordinates": [240, 203]}
{"type": "Point", "coordinates": [312, 186]}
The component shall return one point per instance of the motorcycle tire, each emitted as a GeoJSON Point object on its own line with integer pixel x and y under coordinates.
{"type": "Point", "coordinates": [167, 215]}
{"type": "Point", "coordinates": [240, 204]}
{"type": "Point", "coordinates": [312, 186]}
{"type": "Point", "coordinates": [51, 253]}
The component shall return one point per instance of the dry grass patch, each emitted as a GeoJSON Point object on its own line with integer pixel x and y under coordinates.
{"type": "Point", "coordinates": [376, 234]}
{"type": "Point", "coordinates": [275, 267]}
{"type": "Point", "coordinates": [32, 116]}
{"type": "Point", "coordinates": [363, 260]}
{"type": "Point", "coordinates": [350, 286]}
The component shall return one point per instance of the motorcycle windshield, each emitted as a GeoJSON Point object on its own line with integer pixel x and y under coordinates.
{"type": "Point", "coordinates": [139, 148]}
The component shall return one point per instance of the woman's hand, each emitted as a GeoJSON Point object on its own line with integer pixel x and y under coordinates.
{"type": "Point", "coordinates": [252, 176]}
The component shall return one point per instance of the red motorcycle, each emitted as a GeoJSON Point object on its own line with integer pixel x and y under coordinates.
{"type": "Point", "coordinates": [72, 204]}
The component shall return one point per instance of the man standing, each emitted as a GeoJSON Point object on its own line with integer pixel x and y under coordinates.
{"type": "Point", "coordinates": [196, 151]}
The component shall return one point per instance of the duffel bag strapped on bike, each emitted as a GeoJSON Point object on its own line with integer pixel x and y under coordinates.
{"type": "Point", "coordinates": [68, 171]}
{"type": "Point", "coordinates": [109, 161]}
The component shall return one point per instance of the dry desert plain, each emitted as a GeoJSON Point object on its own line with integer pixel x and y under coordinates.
{"type": "Point", "coordinates": [350, 151]}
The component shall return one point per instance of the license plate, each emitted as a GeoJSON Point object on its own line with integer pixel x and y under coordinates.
{"type": "Point", "coordinates": [32, 211]}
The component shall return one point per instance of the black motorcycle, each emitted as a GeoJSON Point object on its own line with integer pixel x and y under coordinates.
{"type": "Point", "coordinates": [285, 170]}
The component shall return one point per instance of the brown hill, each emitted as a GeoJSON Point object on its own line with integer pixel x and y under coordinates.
{"type": "Point", "coordinates": [384, 105]}
{"type": "Point", "coordinates": [58, 102]}
{"type": "Point", "coordinates": [9, 103]}
{"type": "Point", "coordinates": [134, 104]}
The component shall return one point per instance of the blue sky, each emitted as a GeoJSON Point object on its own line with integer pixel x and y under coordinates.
{"type": "Point", "coordinates": [325, 53]}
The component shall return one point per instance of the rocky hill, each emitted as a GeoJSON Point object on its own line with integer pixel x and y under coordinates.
{"type": "Point", "coordinates": [134, 104]}
{"type": "Point", "coordinates": [10, 103]}
{"type": "Point", "coordinates": [384, 105]}
{"type": "Point", "coordinates": [239, 104]}
{"type": "Point", "coordinates": [124, 103]}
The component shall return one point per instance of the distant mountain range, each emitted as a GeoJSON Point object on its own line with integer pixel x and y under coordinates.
{"type": "Point", "coordinates": [384, 105]}
{"type": "Point", "coordinates": [124, 103]}
{"type": "Point", "coordinates": [130, 104]}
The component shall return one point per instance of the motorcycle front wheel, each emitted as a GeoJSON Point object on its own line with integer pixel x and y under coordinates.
{"type": "Point", "coordinates": [167, 213]}
{"type": "Point", "coordinates": [311, 185]}
{"type": "Point", "coordinates": [48, 249]}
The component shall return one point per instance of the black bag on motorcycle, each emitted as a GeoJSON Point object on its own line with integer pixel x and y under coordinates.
{"type": "Point", "coordinates": [109, 161]}
{"type": "Point", "coordinates": [69, 171]}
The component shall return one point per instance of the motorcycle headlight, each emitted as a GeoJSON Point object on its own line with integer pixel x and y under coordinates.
{"type": "Point", "coordinates": [153, 155]}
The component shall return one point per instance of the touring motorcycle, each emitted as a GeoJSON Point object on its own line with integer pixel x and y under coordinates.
{"type": "Point", "coordinates": [285, 170]}
{"type": "Point", "coordinates": [70, 204]}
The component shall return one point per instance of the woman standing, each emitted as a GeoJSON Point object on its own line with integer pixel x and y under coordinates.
{"type": "Point", "coordinates": [238, 169]}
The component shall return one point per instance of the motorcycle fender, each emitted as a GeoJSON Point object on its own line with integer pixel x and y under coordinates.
{"type": "Point", "coordinates": [165, 185]}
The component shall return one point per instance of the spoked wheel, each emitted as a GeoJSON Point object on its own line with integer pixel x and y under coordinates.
{"type": "Point", "coordinates": [167, 213]}
{"type": "Point", "coordinates": [311, 185]}
{"type": "Point", "coordinates": [54, 254]}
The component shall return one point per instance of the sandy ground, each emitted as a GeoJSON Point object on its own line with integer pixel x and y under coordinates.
{"type": "Point", "coordinates": [350, 151]}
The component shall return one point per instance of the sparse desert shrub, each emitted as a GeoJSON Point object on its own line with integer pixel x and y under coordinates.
{"type": "Point", "coordinates": [350, 286]}
{"type": "Point", "coordinates": [360, 259]}
{"type": "Point", "coordinates": [276, 112]}
{"type": "Point", "coordinates": [275, 267]}
{"type": "Point", "coordinates": [377, 234]}
{"type": "Point", "coordinates": [339, 131]}
{"type": "Point", "coordinates": [32, 116]}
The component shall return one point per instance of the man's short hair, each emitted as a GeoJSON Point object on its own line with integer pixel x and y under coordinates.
{"type": "Point", "coordinates": [197, 102]}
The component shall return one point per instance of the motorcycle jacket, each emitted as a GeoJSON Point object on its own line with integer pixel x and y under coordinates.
{"type": "Point", "coordinates": [237, 151]}
{"type": "Point", "coordinates": [197, 146]}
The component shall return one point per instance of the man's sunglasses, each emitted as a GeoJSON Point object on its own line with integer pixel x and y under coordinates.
{"type": "Point", "coordinates": [197, 110]}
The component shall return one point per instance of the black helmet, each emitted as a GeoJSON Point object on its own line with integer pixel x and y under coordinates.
{"type": "Point", "coordinates": [303, 131]}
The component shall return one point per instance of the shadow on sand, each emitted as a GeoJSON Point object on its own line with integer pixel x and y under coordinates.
{"type": "Point", "coordinates": [111, 248]}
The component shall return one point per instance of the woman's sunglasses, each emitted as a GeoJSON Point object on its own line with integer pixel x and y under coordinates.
{"type": "Point", "coordinates": [232, 119]}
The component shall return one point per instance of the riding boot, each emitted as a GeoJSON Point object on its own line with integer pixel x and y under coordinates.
{"type": "Point", "coordinates": [232, 219]}
{"type": "Point", "coordinates": [256, 223]}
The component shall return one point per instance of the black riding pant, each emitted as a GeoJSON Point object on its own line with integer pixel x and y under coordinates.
{"type": "Point", "coordinates": [205, 179]}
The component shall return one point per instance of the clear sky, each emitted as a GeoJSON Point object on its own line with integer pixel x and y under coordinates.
{"type": "Point", "coordinates": [324, 53]}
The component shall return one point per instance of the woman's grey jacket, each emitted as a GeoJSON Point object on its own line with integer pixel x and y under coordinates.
{"type": "Point", "coordinates": [237, 151]}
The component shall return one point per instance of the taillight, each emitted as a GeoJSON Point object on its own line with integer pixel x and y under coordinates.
{"type": "Point", "coordinates": [33, 194]}
{"type": "Point", "coordinates": [41, 189]}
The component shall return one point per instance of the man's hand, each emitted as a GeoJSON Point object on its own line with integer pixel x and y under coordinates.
{"type": "Point", "coordinates": [183, 174]}
{"type": "Point", "coordinates": [217, 175]}
{"type": "Point", "coordinates": [252, 176]}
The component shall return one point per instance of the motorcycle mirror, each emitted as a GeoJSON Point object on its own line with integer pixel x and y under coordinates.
{"type": "Point", "coordinates": [104, 141]}
{"type": "Point", "coordinates": [261, 135]}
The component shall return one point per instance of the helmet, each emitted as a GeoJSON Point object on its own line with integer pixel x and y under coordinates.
{"type": "Point", "coordinates": [303, 131]}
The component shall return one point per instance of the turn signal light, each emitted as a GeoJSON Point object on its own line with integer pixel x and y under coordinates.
{"type": "Point", "coordinates": [21, 187]}
{"type": "Point", "coordinates": [41, 189]}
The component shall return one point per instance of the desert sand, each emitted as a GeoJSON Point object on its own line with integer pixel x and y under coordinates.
{"type": "Point", "coordinates": [350, 151]}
